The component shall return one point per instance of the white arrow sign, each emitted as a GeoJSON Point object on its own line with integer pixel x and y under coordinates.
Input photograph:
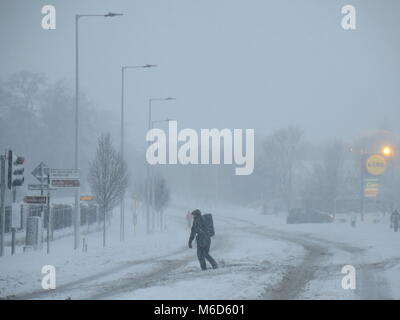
{"type": "Point", "coordinates": [37, 172]}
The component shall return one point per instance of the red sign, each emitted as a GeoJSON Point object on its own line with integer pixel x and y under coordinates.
{"type": "Point", "coordinates": [65, 183]}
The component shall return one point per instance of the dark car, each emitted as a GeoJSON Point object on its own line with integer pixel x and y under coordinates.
{"type": "Point", "coordinates": [300, 215]}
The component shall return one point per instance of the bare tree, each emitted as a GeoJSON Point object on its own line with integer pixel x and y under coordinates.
{"type": "Point", "coordinates": [282, 149]}
{"type": "Point", "coordinates": [108, 177]}
{"type": "Point", "coordinates": [161, 198]}
{"type": "Point", "coordinates": [327, 177]}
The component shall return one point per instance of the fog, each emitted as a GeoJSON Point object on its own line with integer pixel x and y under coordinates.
{"type": "Point", "coordinates": [264, 65]}
{"type": "Point", "coordinates": [318, 100]}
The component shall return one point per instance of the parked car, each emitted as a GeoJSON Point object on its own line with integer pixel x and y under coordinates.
{"type": "Point", "coordinates": [300, 215]}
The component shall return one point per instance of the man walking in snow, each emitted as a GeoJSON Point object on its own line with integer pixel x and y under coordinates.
{"type": "Point", "coordinates": [394, 220]}
{"type": "Point", "coordinates": [203, 240]}
{"type": "Point", "coordinates": [353, 219]}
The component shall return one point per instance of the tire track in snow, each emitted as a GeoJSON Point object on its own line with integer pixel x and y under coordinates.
{"type": "Point", "coordinates": [370, 282]}
{"type": "Point", "coordinates": [160, 266]}
{"type": "Point", "coordinates": [85, 280]}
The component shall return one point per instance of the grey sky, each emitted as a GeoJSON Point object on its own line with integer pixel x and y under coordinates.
{"type": "Point", "coordinates": [241, 64]}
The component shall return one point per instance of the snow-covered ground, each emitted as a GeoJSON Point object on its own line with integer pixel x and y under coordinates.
{"type": "Point", "coordinates": [379, 244]}
{"type": "Point", "coordinates": [247, 265]}
{"type": "Point", "coordinates": [21, 273]}
{"type": "Point", "coordinates": [260, 257]}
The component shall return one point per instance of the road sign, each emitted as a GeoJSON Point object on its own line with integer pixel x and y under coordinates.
{"type": "Point", "coordinates": [371, 187]}
{"type": "Point", "coordinates": [64, 178]}
{"type": "Point", "coordinates": [35, 199]}
{"type": "Point", "coordinates": [64, 183]}
{"type": "Point", "coordinates": [38, 187]}
{"type": "Point", "coordinates": [37, 172]}
{"type": "Point", "coordinates": [64, 174]}
{"type": "Point", "coordinates": [86, 198]}
{"type": "Point", "coordinates": [375, 164]}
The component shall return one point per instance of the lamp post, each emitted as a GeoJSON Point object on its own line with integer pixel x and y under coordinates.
{"type": "Point", "coordinates": [77, 215]}
{"type": "Point", "coordinates": [123, 68]}
{"type": "Point", "coordinates": [387, 151]}
{"type": "Point", "coordinates": [148, 181]}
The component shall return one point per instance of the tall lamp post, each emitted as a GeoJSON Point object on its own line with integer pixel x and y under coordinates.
{"type": "Point", "coordinates": [148, 182]}
{"type": "Point", "coordinates": [123, 68]}
{"type": "Point", "coordinates": [77, 216]}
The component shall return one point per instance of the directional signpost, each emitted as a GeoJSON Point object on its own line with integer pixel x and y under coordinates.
{"type": "Point", "coordinates": [371, 187]}
{"type": "Point", "coordinates": [41, 200]}
{"type": "Point", "coordinates": [64, 178]}
{"type": "Point", "coordinates": [64, 183]}
{"type": "Point", "coordinates": [38, 187]}
{"type": "Point", "coordinates": [42, 173]}
{"type": "Point", "coordinates": [51, 179]}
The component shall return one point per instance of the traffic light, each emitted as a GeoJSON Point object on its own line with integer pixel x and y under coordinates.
{"type": "Point", "coordinates": [15, 170]}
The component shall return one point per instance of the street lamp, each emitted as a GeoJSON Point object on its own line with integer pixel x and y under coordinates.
{"type": "Point", "coordinates": [148, 181]}
{"type": "Point", "coordinates": [123, 68]}
{"type": "Point", "coordinates": [112, 14]}
{"type": "Point", "coordinates": [77, 216]}
{"type": "Point", "coordinates": [387, 151]}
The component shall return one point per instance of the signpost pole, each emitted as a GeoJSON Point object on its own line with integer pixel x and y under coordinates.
{"type": "Point", "coordinates": [13, 229]}
{"type": "Point", "coordinates": [2, 192]}
{"type": "Point", "coordinates": [362, 199]}
{"type": "Point", "coordinates": [12, 241]}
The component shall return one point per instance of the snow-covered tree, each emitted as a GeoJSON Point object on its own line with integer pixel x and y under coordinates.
{"type": "Point", "coordinates": [108, 177]}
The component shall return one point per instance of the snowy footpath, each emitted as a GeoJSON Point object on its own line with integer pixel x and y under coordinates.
{"type": "Point", "coordinates": [260, 257]}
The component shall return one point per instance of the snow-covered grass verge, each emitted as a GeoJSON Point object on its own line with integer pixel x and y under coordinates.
{"type": "Point", "coordinates": [21, 273]}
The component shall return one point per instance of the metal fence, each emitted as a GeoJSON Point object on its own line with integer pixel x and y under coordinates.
{"type": "Point", "coordinates": [61, 215]}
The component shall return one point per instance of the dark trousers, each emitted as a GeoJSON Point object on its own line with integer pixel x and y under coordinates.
{"type": "Point", "coordinates": [202, 255]}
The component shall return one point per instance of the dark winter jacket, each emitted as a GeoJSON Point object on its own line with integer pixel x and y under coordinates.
{"type": "Point", "coordinates": [199, 230]}
{"type": "Point", "coordinates": [395, 215]}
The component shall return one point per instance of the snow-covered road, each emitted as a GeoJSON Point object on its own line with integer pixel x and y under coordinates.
{"type": "Point", "coordinates": [258, 258]}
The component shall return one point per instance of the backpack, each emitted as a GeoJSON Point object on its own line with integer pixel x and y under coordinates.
{"type": "Point", "coordinates": [209, 224]}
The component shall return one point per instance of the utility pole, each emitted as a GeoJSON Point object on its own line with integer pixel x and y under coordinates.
{"type": "Point", "coordinates": [122, 214]}
{"type": "Point", "coordinates": [2, 193]}
{"type": "Point", "coordinates": [123, 68]}
{"type": "Point", "coordinates": [77, 215]}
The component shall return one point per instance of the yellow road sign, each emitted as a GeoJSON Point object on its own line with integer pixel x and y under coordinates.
{"type": "Point", "coordinates": [376, 164]}
{"type": "Point", "coordinates": [370, 193]}
{"type": "Point", "coordinates": [86, 198]}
